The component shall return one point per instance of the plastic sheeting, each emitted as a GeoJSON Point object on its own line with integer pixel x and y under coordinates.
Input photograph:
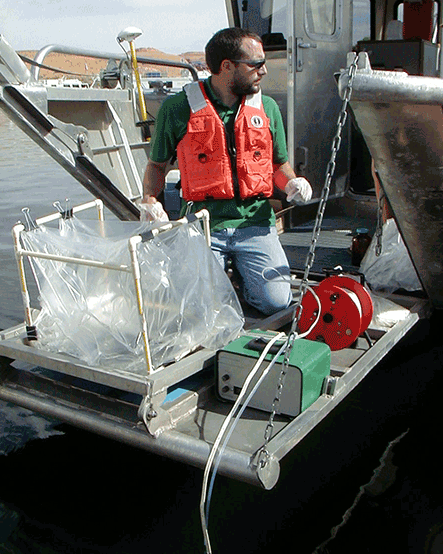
{"type": "Point", "coordinates": [91, 313]}
{"type": "Point", "coordinates": [393, 269]}
{"type": "Point", "coordinates": [386, 312]}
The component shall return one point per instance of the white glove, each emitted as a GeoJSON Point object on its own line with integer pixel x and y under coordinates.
{"type": "Point", "coordinates": [153, 212]}
{"type": "Point", "coordinates": [298, 190]}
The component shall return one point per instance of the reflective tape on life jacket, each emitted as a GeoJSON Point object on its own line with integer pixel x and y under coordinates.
{"type": "Point", "coordinates": [206, 154]}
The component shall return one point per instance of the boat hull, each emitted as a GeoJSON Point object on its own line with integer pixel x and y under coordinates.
{"type": "Point", "coordinates": [400, 117]}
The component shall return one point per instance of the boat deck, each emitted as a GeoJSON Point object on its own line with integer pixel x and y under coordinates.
{"type": "Point", "coordinates": [188, 412]}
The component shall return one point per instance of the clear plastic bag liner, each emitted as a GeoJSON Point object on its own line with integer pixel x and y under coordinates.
{"type": "Point", "coordinates": [393, 269]}
{"type": "Point", "coordinates": [92, 313]}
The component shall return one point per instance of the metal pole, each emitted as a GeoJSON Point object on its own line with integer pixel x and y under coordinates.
{"type": "Point", "coordinates": [16, 230]}
{"type": "Point", "coordinates": [141, 97]}
{"type": "Point", "coordinates": [46, 50]}
{"type": "Point", "coordinates": [133, 241]}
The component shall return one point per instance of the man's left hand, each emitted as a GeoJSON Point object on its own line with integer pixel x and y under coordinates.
{"type": "Point", "coordinates": [298, 190]}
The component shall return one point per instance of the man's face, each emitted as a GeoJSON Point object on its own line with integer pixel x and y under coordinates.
{"type": "Point", "coordinates": [247, 78]}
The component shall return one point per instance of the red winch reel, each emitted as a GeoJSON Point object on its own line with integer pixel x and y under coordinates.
{"type": "Point", "coordinates": [346, 312]}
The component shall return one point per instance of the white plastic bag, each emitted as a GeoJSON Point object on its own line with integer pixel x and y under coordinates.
{"type": "Point", "coordinates": [393, 269]}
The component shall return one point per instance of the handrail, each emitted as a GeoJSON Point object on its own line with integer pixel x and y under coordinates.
{"type": "Point", "coordinates": [60, 49]}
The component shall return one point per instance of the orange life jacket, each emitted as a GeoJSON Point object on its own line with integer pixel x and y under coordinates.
{"type": "Point", "coordinates": [216, 166]}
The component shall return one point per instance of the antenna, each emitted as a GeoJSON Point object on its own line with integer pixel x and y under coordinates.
{"type": "Point", "coordinates": [129, 35]}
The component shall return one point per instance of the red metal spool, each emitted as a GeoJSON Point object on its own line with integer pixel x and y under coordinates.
{"type": "Point", "coordinates": [346, 312]}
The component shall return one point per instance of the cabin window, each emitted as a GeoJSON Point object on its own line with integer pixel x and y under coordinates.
{"type": "Point", "coordinates": [323, 19]}
{"type": "Point", "coordinates": [267, 18]}
{"type": "Point", "coordinates": [320, 16]}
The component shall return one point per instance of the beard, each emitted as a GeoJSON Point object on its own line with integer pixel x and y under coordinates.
{"type": "Point", "coordinates": [241, 87]}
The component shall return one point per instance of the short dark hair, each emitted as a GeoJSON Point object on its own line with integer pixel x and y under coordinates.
{"type": "Point", "coordinates": [226, 45]}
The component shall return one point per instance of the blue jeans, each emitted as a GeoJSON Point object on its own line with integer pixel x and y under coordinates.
{"type": "Point", "coordinates": [261, 261]}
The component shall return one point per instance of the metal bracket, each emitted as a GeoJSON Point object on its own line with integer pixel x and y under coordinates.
{"type": "Point", "coordinates": [159, 414]}
{"type": "Point", "coordinates": [149, 411]}
{"type": "Point", "coordinates": [329, 386]}
{"type": "Point", "coordinates": [83, 145]}
{"type": "Point", "coordinates": [301, 160]}
{"type": "Point", "coordinates": [267, 468]}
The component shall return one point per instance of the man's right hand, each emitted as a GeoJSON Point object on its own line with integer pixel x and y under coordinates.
{"type": "Point", "coordinates": [151, 210]}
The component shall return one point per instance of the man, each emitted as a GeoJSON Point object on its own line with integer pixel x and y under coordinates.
{"type": "Point", "coordinates": [231, 151]}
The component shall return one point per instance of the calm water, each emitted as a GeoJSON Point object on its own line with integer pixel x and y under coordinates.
{"type": "Point", "coordinates": [366, 481]}
{"type": "Point", "coordinates": [28, 178]}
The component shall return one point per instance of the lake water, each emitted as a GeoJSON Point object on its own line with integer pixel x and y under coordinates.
{"type": "Point", "coordinates": [368, 480]}
{"type": "Point", "coordinates": [28, 178]}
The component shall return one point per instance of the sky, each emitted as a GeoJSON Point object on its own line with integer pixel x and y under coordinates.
{"type": "Point", "coordinates": [173, 26]}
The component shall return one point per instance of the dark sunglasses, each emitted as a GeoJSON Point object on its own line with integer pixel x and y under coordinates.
{"type": "Point", "coordinates": [254, 64]}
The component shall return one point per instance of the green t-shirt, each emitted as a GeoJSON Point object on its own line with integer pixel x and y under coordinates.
{"type": "Point", "coordinates": [170, 128]}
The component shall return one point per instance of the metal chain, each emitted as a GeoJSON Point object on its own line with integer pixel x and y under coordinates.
{"type": "Point", "coordinates": [263, 455]}
{"type": "Point", "coordinates": [379, 228]}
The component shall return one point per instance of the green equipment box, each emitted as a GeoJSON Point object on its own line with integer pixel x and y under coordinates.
{"type": "Point", "coordinates": [309, 365]}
